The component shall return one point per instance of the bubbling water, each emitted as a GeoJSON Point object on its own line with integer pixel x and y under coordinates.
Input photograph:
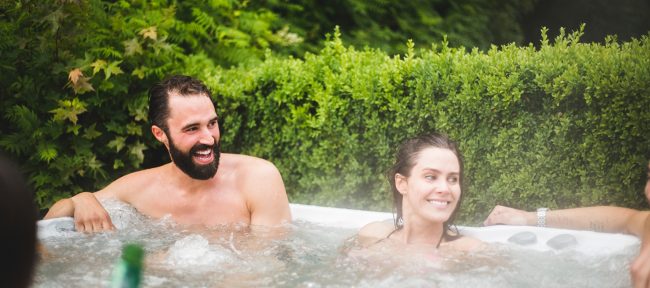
{"type": "Point", "coordinates": [304, 254]}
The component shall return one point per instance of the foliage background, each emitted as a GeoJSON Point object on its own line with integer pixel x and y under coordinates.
{"type": "Point", "coordinates": [562, 124]}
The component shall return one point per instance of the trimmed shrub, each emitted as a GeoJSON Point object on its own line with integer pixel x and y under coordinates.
{"type": "Point", "coordinates": [561, 126]}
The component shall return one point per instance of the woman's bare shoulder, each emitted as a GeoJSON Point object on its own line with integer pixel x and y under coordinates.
{"type": "Point", "coordinates": [377, 229]}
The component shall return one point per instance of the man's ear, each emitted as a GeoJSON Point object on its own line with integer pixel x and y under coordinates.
{"type": "Point", "coordinates": [401, 184]}
{"type": "Point", "coordinates": [160, 134]}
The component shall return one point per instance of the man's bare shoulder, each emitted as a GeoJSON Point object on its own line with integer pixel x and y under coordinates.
{"type": "Point", "coordinates": [261, 184]}
{"type": "Point", "coordinates": [246, 163]}
{"type": "Point", "coordinates": [134, 181]}
{"type": "Point", "coordinates": [246, 168]}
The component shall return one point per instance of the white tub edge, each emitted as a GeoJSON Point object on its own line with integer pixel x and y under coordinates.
{"type": "Point", "coordinates": [591, 243]}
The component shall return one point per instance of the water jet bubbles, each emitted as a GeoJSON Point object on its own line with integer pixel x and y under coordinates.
{"type": "Point", "coordinates": [123, 215]}
{"type": "Point", "coordinates": [195, 251]}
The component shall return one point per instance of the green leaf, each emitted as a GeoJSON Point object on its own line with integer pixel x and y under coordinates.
{"type": "Point", "coordinates": [46, 152]}
{"type": "Point", "coordinates": [91, 133]}
{"type": "Point", "coordinates": [133, 129]}
{"type": "Point", "coordinates": [132, 47]}
{"type": "Point", "coordinates": [74, 129]}
{"type": "Point", "coordinates": [117, 164]}
{"type": "Point", "coordinates": [139, 72]}
{"type": "Point", "coordinates": [69, 110]}
{"type": "Point", "coordinates": [113, 69]}
{"type": "Point", "coordinates": [118, 143]}
{"type": "Point", "coordinates": [98, 65]}
{"type": "Point", "coordinates": [137, 151]}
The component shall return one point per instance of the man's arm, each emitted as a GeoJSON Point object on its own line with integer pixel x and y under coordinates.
{"type": "Point", "coordinates": [640, 268]}
{"type": "Point", "coordinates": [267, 197]}
{"type": "Point", "coordinates": [89, 215]}
{"type": "Point", "coordinates": [600, 218]}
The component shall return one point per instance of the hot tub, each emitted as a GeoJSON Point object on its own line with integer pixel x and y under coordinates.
{"type": "Point", "coordinates": [312, 254]}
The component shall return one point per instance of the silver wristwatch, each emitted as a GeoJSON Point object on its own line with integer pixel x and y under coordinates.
{"type": "Point", "coordinates": [541, 217]}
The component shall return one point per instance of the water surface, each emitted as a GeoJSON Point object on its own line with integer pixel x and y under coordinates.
{"type": "Point", "coordinates": [306, 255]}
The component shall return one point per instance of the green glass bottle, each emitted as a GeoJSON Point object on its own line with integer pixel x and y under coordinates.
{"type": "Point", "coordinates": [127, 272]}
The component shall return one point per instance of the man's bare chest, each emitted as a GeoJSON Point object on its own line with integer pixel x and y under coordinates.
{"type": "Point", "coordinates": [206, 208]}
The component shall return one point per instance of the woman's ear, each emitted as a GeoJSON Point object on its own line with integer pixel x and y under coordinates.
{"type": "Point", "coordinates": [401, 184]}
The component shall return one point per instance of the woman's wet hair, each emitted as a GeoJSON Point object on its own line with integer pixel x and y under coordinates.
{"type": "Point", "coordinates": [405, 160]}
{"type": "Point", "coordinates": [18, 216]}
{"type": "Point", "coordinates": [159, 96]}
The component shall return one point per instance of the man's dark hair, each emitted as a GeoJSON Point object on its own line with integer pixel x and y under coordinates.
{"type": "Point", "coordinates": [18, 218]}
{"type": "Point", "coordinates": [159, 96]}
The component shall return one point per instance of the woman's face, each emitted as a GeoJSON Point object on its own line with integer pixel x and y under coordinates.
{"type": "Point", "coordinates": [432, 190]}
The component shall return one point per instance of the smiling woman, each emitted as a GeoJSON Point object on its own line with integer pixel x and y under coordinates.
{"type": "Point", "coordinates": [426, 181]}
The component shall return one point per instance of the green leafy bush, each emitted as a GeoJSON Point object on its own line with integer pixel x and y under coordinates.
{"type": "Point", "coordinates": [388, 25]}
{"type": "Point", "coordinates": [561, 126]}
{"type": "Point", "coordinates": [76, 74]}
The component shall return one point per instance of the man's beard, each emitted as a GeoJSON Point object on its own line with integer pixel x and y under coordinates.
{"type": "Point", "coordinates": [184, 160]}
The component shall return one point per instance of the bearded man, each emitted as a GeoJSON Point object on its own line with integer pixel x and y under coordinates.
{"type": "Point", "coordinates": [201, 186]}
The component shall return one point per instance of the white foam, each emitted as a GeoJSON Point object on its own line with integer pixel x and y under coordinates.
{"type": "Point", "coordinates": [590, 243]}
{"type": "Point", "coordinates": [194, 250]}
{"type": "Point", "coordinates": [55, 227]}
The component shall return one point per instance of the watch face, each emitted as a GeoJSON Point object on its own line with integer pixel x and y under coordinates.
{"type": "Point", "coordinates": [541, 217]}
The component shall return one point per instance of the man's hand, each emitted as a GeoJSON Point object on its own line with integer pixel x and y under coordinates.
{"type": "Point", "coordinates": [640, 269]}
{"type": "Point", "coordinates": [89, 214]}
{"type": "Point", "coordinates": [509, 216]}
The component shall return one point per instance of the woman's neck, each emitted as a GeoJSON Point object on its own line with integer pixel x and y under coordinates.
{"type": "Point", "coordinates": [420, 233]}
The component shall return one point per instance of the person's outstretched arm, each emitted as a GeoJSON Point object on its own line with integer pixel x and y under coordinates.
{"type": "Point", "coordinates": [89, 215]}
{"type": "Point", "coordinates": [640, 268]}
{"type": "Point", "coordinates": [599, 218]}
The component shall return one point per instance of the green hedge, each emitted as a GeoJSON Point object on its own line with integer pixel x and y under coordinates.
{"type": "Point", "coordinates": [560, 126]}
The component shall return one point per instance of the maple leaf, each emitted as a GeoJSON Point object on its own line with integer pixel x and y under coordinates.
{"type": "Point", "coordinates": [118, 143]}
{"type": "Point", "coordinates": [74, 75]}
{"type": "Point", "coordinates": [117, 164]}
{"type": "Point", "coordinates": [82, 86]}
{"type": "Point", "coordinates": [137, 151]}
{"type": "Point", "coordinates": [113, 69]}
{"type": "Point", "coordinates": [138, 72]}
{"type": "Point", "coordinates": [98, 65]}
{"type": "Point", "coordinates": [68, 110]}
{"type": "Point", "coordinates": [91, 132]}
{"type": "Point", "coordinates": [149, 32]}
{"type": "Point", "coordinates": [78, 82]}
{"type": "Point", "coordinates": [132, 47]}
